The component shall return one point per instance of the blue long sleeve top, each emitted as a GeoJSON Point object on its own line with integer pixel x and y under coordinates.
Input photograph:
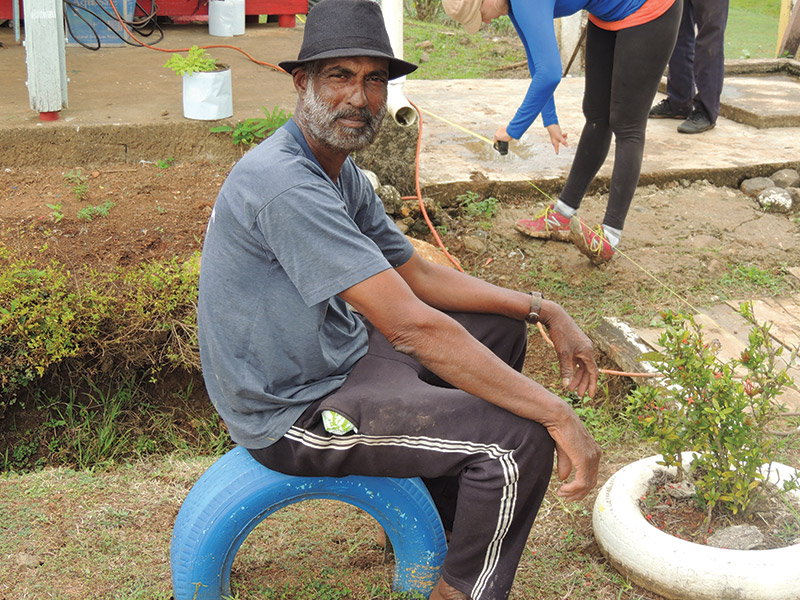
{"type": "Point", "coordinates": [533, 20]}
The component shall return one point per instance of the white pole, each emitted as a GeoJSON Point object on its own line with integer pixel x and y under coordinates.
{"type": "Point", "coordinates": [45, 57]}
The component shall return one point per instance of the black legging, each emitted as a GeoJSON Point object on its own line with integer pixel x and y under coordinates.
{"type": "Point", "coordinates": [623, 70]}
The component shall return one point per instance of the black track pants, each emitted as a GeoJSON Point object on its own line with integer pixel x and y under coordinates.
{"type": "Point", "coordinates": [623, 70]}
{"type": "Point", "coordinates": [486, 468]}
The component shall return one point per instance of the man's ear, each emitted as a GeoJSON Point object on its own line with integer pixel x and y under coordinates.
{"type": "Point", "coordinates": [300, 77]}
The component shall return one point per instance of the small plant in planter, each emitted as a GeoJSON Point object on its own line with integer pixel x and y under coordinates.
{"type": "Point", "coordinates": [721, 411]}
{"type": "Point", "coordinates": [197, 60]}
{"type": "Point", "coordinates": [710, 419]}
{"type": "Point", "coordinates": [207, 88]}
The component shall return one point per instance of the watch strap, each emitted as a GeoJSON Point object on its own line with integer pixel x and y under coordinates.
{"type": "Point", "coordinates": [536, 308]}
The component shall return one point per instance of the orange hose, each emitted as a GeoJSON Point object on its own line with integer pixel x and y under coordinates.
{"type": "Point", "coordinates": [419, 194]}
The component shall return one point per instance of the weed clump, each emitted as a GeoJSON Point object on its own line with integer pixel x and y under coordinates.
{"type": "Point", "coordinates": [140, 318]}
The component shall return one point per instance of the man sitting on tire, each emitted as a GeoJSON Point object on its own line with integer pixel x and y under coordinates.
{"type": "Point", "coordinates": [330, 347]}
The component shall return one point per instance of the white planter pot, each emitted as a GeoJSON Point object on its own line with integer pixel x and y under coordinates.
{"type": "Point", "coordinates": [679, 569]}
{"type": "Point", "coordinates": [208, 96]}
{"type": "Point", "coordinates": [226, 18]}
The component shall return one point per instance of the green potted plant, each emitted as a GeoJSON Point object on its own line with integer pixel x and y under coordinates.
{"type": "Point", "coordinates": [711, 421]}
{"type": "Point", "coordinates": [207, 88]}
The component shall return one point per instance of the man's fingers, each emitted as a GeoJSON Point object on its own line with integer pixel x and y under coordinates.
{"type": "Point", "coordinates": [585, 480]}
{"type": "Point", "coordinates": [573, 491]}
{"type": "Point", "coordinates": [563, 464]}
{"type": "Point", "coordinates": [565, 366]}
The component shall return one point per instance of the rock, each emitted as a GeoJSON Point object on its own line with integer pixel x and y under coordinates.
{"type": "Point", "coordinates": [737, 537]}
{"type": "Point", "coordinates": [786, 178]}
{"type": "Point", "coordinates": [474, 244]}
{"type": "Point", "coordinates": [392, 201]}
{"type": "Point", "coordinates": [775, 199]}
{"type": "Point", "coordinates": [681, 489]}
{"type": "Point", "coordinates": [373, 179]}
{"type": "Point", "coordinates": [702, 241]}
{"type": "Point", "coordinates": [715, 268]}
{"type": "Point", "coordinates": [424, 57]}
{"type": "Point", "coordinates": [794, 192]}
{"type": "Point", "coordinates": [425, 45]}
{"type": "Point", "coordinates": [392, 156]}
{"type": "Point", "coordinates": [752, 187]}
{"type": "Point", "coordinates": [431, 252]}
{"type": "Point", "coordinates": [420, 227]}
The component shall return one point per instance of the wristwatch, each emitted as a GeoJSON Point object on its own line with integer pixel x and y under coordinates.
{"type": "Point", "coordinates": [536, 308]}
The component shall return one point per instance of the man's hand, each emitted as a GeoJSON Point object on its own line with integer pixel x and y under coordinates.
{"type": "Point", "coordinates": [574, 350]}
{"type": "Point", "coordinates": [556, 136]}
{"type": "Point", "coordinates": [576, 451]}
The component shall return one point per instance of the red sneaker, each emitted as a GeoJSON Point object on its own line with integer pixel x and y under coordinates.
{"type": "Point", "coordinates": [547, 224]}
{"type": "Point", "coordinates": [591, 242]}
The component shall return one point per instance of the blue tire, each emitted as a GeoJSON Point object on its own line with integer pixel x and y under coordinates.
{"type": "Point", "coordinates": [236, 493]}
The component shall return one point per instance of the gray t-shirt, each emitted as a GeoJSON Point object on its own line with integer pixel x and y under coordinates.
{"type": "Point", "coordinates": [282, 241]}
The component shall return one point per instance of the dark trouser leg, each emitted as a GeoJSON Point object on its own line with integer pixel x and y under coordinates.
{"type": "Point", "coordinates": [680, 79]}
{"type": "Point", "coordinates": [711, 17]}
{"type": "Point", "coordinates": [409, 427]}
{"type": "Point", "coordinates": [626, 69]}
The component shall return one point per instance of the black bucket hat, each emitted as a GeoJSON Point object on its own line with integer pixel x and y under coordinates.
{"type": "Point", "coordinates": [342, 28]}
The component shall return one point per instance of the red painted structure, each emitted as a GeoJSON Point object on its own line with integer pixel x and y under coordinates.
{"type": "Point", "coordinates": [186, 11]}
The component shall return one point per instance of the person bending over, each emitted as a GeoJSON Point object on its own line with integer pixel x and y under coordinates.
{"type": "Point", "coordinates": [628, 44]}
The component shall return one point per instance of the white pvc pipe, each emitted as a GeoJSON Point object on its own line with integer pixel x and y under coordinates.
{"type": "Point", "coordinates": [396, 103]}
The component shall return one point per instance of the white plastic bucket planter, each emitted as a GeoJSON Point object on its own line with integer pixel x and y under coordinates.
{"type": "Point", "coordinates": [226, 17]}
{"type": "Point", "coordinates": [208, 96]}
{"type": "Point", "coordinates": [678, 569]}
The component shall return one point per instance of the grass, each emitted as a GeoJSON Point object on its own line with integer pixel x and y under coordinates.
{"type": "Point", "coordinates": [79, 534]}
{"type": "Point", "coordinates": [96, 428]}
{"type": "Point", "coordinates": [752, 30]}
{"type": "Point", "coordinates": [447, 52]}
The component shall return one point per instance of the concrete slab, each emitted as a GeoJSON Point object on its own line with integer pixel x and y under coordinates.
{"type": "Point", "coordinates": [720, 155]}
{"type": "Point", "coordinates": [128, 85]}
{"type": "Point", "coordinates": [769, 100]}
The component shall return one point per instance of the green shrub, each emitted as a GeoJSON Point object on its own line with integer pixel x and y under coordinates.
{"type": "Point", "coordinates": [88, 213]}
{"type": "Point", "coordinates": [156, 324]}
{"type": "Point", "coordinates": [43, 321]}
{"type": "Point", "coordinates": [131, 319]}
{"type": "Point", "coordinates": [197, 60]}
{"type": "Point", "coordinates": [719, 410]}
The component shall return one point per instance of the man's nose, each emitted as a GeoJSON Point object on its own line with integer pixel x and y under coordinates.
{"type": "Point", "coordinates": [357, 95]}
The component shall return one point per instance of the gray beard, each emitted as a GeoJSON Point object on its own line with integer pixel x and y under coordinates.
{"type": "Point", "coordinates": [322, 123]}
